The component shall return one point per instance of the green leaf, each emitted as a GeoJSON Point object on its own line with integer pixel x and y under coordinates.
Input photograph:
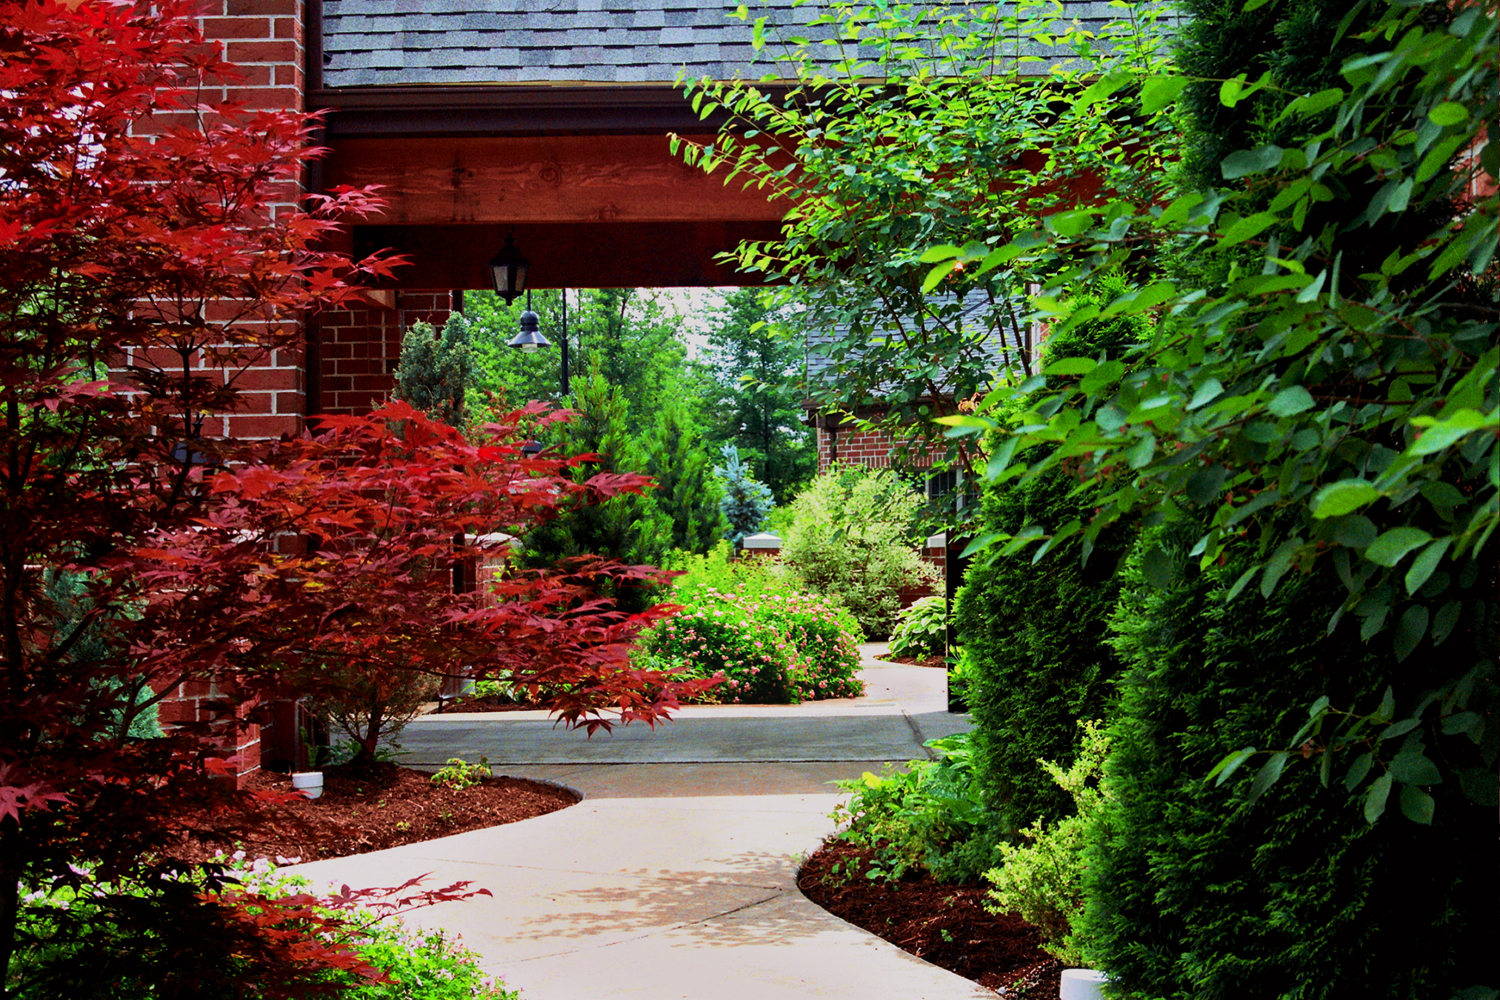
{"type": "Point", "coordinates": [1449, 113]}
{"type": "Point", "coordinates": [1343, 497]}
{"type": "Point", "coordinates": [1357, 771]}
{"type": "Point", "coordinates": [1102, 376]}
{"type": "Point", "coordinates": [1291, 400]}
{"type": "Point", "coordinates": [938, 273]}
{"type": "Point", "coordinates": [1247, 162]}
{"type": "Point", "coordinates": [1278, 564]}
{"type": "Point", "coordinates": [1445, 620]}
{"type": "Point", "coordinates": [1413, 768]}
{"type": "Point", "coordinates": [1207, 393]}
{"type": "Point", "coordinates": [1380, 790]}
{"type": "Point", "coordinates": [1248, 227]}
{"type": "Point", "coordinates": [1071, 366]}
{"type": "Point", "coordinates": [1156, 566]}
{"type": "Point", "coordinates": [1388, 549]}
{"type": "Point", "coordinates": [1417, 805]}
{"type": "Point", "coordinates": [1103, 87]}
{"type": "Point", "coordinates": [1423, 566]}
{"type": "Point", "coordinates": [1354, 530]}
{"type": "Point", "coordinates": [1439, 434]}
{"type": "Point", "coordinates": [1410, 630]}
{"type": "Point", "coordinates": [940, 253]}
{"type": "Point", "coordinates": [1230, 764]}
{"type": "Point", "coordinates": [1313, 104]}
{"type": "Point", "coordinates": [1267, 775]}
{"type": "Point", "coordinates": [1070, 224]}
{"type": "Point", "coordinates": [1159, 91]}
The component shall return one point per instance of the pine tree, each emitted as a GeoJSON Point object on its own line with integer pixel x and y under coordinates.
{"type": "Point", "coordinates": [631, 528]}
{"type": "Point", "coordinates": [688, 491]}
{"type": "Point", "coordinates": [747, 502]}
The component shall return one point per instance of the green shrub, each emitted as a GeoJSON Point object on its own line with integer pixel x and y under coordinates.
{"type": "Point", "coordinates": [922, 817]}
{"type": "Point", "coordinates": [460, 774]}
{"type": "Point", "coordinates": [853, 538]}
{"type": "Point", "coordinates": [922, 629]}
{"type": "Point", "coordinates": [419, 964]}
{"type": "Point", "coordinates": [1036, 650]}
{"type": "Point", "coordinates": [777, 648]}
{"type": "Point", "coordinates": [718, 570]}
{"type": "Point", "coordinates": [1196, 891]}
{"type": "Point", "coordinates": [1042, 879]}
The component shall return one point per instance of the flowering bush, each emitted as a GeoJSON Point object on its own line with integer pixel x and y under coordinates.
{"type": "Point", "coordinates": [780, 649]}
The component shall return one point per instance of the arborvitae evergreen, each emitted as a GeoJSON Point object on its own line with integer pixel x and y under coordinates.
{"type": "Point", "coordinates": [687, 490]}
{"type": "Point", "coordinates": [1034, 636]}
{"type": "Point", "coordinates": [1196, 891]}
{"type": "Point", "coordinates": [436, 370]}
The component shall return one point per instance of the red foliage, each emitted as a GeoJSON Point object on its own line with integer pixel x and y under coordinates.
{"type": "Point", "coordinates": [152, 248]}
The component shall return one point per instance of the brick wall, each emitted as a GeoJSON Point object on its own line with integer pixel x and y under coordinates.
{"type": "Point", "coordinates": [264, 40]}
{"type": "Point", "coordinates": [358, 349]}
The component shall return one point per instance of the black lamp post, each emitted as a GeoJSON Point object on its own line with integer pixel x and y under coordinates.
{"type": "Point", "coordinates": [530, 338]}
{"type": "Point", "coordinates": [508, 271]}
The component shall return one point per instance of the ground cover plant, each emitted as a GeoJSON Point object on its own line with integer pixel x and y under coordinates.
{"type": "Point", "coordinates": [152, 252]}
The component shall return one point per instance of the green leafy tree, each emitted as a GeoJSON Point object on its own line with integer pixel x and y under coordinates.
{"type": "Point", "coordinates": [1310, 441]}
{"type": "Point", "coordinates": [756, 393]}
{"type": "Point", "coordinates": [436, 369]}
{"type": "Point", "coordinates": [909, 126]}
{"type": "Point", "coordinates": [687, 491]}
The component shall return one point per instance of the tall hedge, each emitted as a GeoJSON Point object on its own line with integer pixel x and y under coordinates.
{"type": "Point", "coordinates": [1197, 892]}
{"type": "Point", "coordinates": [1034, 636]}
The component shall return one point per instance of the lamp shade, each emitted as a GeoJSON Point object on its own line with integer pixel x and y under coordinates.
{"type": "Point", "coordinates": [530, 337]}
{"type": "Point", "coordinates": [508, 271]}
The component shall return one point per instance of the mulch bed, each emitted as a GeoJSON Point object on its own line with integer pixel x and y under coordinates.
{"type": "Point", "coordinates": [946, 925]}
{"type": "Point", "coordinates": [935, 660]}
{"type": "Point", "coordinates": [370, 809]}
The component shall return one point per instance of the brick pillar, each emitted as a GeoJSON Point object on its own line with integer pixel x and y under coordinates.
{"type": "Point", "coordinates": [264, 40]}
{"type": "Point", "coordinates": [359, 348]}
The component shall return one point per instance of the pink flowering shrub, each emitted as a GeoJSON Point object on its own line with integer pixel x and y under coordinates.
{"type": "Point", "coordinates": [764, 649]}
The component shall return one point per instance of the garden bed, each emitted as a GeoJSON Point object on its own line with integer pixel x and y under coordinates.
{"type": "Point", "coordinates": [946, 925]}
{"type": "Point", "coordinates": [367, 809]}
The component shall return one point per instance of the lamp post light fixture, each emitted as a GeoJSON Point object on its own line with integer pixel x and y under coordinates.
{"type": "Point", "coordinates": [508, 271]}
{"type": "Point", "coordinates": [530, 338]}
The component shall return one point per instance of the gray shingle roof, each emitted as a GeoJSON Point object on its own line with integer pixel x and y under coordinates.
{"type": "Point", "coordinates": [375, 43]}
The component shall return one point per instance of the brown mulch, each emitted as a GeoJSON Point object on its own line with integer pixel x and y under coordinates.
{"type": "Point", "coordinates": [935, 660]}
{"type": "Point", "coordinates": [946, 925]}
{"type": "Point", "coordinates": [383, 805]}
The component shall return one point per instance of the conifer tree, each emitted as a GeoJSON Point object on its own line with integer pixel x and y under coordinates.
{"type": "Point", "coordinates": [688, 491]}
{"type": "Point", "coordinates": [436, 369]}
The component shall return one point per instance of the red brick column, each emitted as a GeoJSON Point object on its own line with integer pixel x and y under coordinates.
{"type": "Point", "coordinates": [264, 40]}
{"type": "Point", "coordinates": [359, 348]}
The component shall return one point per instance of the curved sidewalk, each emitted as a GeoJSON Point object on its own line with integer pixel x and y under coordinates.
{"type": "Point", "coordinates": [675, 877]}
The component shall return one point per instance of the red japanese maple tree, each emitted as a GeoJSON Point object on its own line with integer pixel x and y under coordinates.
{"type": "Point", "coordinates": [153, 247]}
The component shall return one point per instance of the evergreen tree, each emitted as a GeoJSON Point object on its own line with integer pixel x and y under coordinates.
{"type": "Point", "coordinates": [747, 502]}
{"type": "Point", "coordinates": [436, 370]}
{"type": "Point", "coordinates": [755, 394]}
{"type": "Point", "coordinates": [688, 492]}
{"type": "Point", "coordinates": [631, 528]}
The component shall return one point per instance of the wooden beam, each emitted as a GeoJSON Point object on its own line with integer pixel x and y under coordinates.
{"type": "Point", "coordinates": [547, 179]}
{"type": "Point", "coordinates": [567, 255]}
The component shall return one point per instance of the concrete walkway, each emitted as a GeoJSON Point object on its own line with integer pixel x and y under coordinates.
{"type": "Point", "coordinates": [675, 877]}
